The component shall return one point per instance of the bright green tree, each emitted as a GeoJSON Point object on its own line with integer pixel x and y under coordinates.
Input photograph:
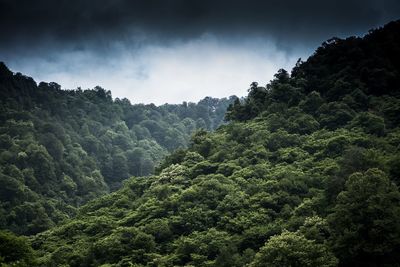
{"type": "Point", "coordinates": [293, 250]}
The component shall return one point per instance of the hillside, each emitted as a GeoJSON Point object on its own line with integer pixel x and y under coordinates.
{"type": "Point", "coordinates": [306, 173]}
{"type": "Point", "coordinates": [61, 148]}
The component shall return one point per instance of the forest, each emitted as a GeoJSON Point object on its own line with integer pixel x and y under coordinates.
{"type": "Point", "coordinates": [61, 148]}
{"type": "Point", "coordinates": [304, 171]}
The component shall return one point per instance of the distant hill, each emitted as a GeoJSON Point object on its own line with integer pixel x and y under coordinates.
{"type": "Point", "coordinates": [61, 148]}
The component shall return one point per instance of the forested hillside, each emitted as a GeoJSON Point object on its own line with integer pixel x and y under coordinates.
{"type": "Point", "coordinates": [305, 173]}
{"type": "Point", "coordinates": [61, 148]}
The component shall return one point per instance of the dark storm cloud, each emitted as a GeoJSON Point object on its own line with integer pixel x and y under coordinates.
{"type": "Point", "coordinates": [174, 50]}
{"type": "Point", "coordinates": [303, 21]}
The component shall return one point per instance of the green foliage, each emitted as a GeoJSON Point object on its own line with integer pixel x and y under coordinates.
{"type": "Point", "coordinates": [15, 251]}
{"type": "Point", "coordinates": [304, 174]}
{"type": "Point", "coordinates": [294, 250]}
{"type": "Point", "coordinates": [365, 220]}
{"type": "Point", "coordinates": [59, 148]}
{"type": "Point", "coordinates": [370, 123]}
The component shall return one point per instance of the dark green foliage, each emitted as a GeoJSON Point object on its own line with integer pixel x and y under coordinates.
{"type": "Point", "coordinates": [304, 174]}
{"type": "Point", "coordinates": [293, 249]}
{"type": "Point", "coordinates": [347, 73]}
{"type": "Point", "coordinates": [365, 220]}
{"type": "Point", "coordinates": [204, 209]}
{"type": "Point", "coordinates": [59, 149]}
{"type": "Point", "coordinates": [370, 123]}
{"type": "Point", "coordinates": [370, 64]}
{"type": "Point", "coordinates": [15, 251]}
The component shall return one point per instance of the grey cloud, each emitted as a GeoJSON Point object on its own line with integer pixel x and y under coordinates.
{"type": "Point", "coordinates": [73, 20]}
{"type": "Point", "coordinates": [174, 50]}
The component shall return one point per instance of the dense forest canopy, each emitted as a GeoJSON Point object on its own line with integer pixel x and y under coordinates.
{"type": "Point", "coordinates": [61, 148]}
{"type": "Point", "coordinates": [306, 172]}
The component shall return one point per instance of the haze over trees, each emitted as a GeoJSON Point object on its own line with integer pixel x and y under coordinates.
{"type": "Point", "coordinates": [305, 172]}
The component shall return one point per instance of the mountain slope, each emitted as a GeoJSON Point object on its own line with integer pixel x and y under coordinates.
{"type": "Point", "coordinates": [59, 148]}
{"type": "Point", "coordinates": [301, 176]}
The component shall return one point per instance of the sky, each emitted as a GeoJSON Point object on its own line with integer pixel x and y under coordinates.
{"type": "Point", "coordinates": [169, 51]}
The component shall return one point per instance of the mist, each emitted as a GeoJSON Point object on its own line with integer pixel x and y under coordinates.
{"type": "Point", "coordinates": [185, 70]}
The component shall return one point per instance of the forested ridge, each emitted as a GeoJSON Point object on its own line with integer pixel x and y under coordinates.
{"type": "Point", "coordinates": [305, 173]}
{"type": "Point", "coordinates": [61, 148]}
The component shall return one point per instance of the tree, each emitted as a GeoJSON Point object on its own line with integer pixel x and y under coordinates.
{"type": "Point", "coordinates": [53, 146]}
{"type": "Point", "coordinates": [120, 167]}
{"type": "Point", "coordinates": [365, 221]}
{"type": "Point", "coordinates": [370, 123]}
{"type": "Point", "coordinates": [15, 251]}
{"type": "Point", "coordinates": [207, 248]}
{"type": "Point", "coordinates": [147, 166]}
{"type": "Point", "coordinates": [335, 115]}
{"type": "Point", "coordinates": [293, 250]}
{"type": "Point", "coordinates": [311, 103]}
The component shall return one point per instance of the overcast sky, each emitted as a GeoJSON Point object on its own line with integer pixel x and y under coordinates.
{"type": "Point", "coordinates": [158, 51]}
